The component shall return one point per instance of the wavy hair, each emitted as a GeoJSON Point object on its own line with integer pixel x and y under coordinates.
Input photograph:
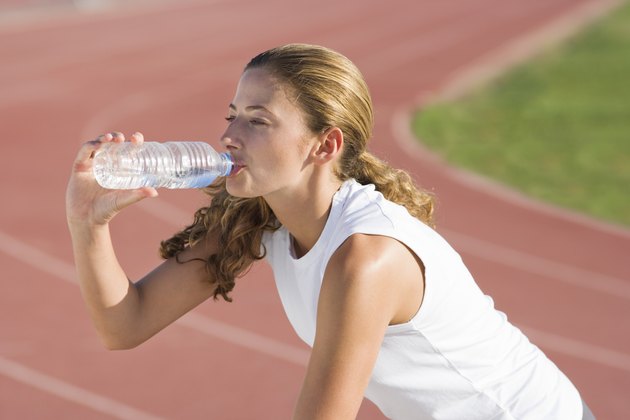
{"type": "Point", "coordinates": [331, 92]}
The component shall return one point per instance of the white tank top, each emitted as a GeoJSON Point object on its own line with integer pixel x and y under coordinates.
{"type": "Point", "coordinates": [459, 357]}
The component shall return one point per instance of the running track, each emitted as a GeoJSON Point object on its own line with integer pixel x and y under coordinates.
{"type": "Point", "coordinates": [169, 71]}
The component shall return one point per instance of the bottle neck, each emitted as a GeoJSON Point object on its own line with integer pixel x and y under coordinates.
{"type": "Point", "coordinates": [228, 163]}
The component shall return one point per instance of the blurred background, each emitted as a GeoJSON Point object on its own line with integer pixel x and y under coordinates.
{"type": "Point", "coordinates": [71, 70]}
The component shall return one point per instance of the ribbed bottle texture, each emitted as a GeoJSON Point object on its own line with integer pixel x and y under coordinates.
{"type": "Point", "coordinates": [160, 165]}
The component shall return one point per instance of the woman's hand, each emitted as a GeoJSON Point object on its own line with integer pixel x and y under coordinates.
{"type": "Point", "coordinates": [87, 203]}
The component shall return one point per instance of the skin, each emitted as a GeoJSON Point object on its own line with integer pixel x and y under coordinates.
{"type": "Point", "coordinates": [292, 168]}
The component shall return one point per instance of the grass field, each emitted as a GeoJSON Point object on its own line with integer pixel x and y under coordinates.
{"type": "Point", "coordinates": [557, 128]}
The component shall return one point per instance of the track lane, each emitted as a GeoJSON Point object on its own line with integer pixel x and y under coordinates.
{"type": "Point", "coordinates": [54, 106]}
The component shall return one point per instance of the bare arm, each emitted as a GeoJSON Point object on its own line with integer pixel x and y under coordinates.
{"type": "Point", "coordinates": [359, 298]}
{"type": "Point", "coordinates": [125, 313]}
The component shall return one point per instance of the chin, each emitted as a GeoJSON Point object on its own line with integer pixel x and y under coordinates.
{"type": "Point", "coordinates": [237, 189]}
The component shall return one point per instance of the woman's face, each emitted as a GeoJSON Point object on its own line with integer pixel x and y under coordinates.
{"type": "Point", "coordinates": [267, 138]}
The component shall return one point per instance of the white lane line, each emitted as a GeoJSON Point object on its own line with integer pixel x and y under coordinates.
{"type": "Point", "coordinates": [36, 258]}
{"type": "Point", "coordinates": [34, 17]}
{"type": "Point", "coordinates": [579, 349]}
{"type": "Point", "coordinates": [133, 103]}
{"type": "Point", "coordinates": [457, 32]}
{"type": "Point", "coordinates": [540, 266]}
{"type": "Point", "coordinates": [247, 339]}
{"type": "Point", "coordinates": [67, 391]}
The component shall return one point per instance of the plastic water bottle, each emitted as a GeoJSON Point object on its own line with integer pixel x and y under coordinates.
{"type": "Point", "coordinates": [151, 164]}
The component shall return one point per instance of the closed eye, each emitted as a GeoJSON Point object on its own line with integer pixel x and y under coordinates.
{"type": "Point", "coordinates": [253, 121]}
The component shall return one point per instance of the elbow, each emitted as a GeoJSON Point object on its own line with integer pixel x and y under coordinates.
{"type": "Point", "coordinates": [115, 345]}
{"type": "Point", "coordinates": [118, 342]}
{"type": "Point", "coordinates": [120, 334]}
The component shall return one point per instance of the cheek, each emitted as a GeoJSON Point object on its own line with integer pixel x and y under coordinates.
{"type": "Point", "coordinates": [294, 160]}
{"type": "Point", "coordinates": [283, 152]}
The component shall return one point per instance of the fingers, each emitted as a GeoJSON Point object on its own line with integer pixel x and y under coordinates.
{"type": "Point", "coordinates": [128, 197]}
{"type": "Point", "coordinates": [89, 148]}
{"type": "Point", "coordinates": [82, 162]}
{"type": "Point", "coordinates": [105, 138]}
{"type": "Point", "coordinates": [137, 138]}
{"type": "Point", "coordinates": [118, 137]}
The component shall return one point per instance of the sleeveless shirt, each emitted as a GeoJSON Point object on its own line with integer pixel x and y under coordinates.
{"type": "Point", "coordinates": [458, 357]}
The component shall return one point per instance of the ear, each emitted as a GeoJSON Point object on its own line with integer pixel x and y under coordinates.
{"type": "Point", "coordinates": [329, 145]}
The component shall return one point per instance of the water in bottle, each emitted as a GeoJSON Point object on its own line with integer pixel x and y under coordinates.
{"type": "Point", "coordinates": [152, 164]}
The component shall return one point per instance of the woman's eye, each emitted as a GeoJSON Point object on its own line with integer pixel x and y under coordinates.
{"type": "Point", "coordinates": [253, 121]}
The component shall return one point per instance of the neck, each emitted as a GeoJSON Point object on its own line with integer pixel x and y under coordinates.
{"type": "Point", "coordinates": [304, 213]}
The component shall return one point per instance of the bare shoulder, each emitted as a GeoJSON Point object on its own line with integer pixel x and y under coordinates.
{"type": "Point", "coordinates": [370, 282]}
{"type": "Point", "coordinates": [379, 266]}
{"type": "Point", "coordinates": [363, 255]}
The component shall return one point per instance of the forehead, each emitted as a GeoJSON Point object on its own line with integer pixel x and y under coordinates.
{"type": "Point", "coordinates": [258, 87]}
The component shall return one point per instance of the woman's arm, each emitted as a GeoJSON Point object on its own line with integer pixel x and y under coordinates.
{"type": "Point", "coordinates": [125, 313]}
{"type": "Point", "coordinates": [370, 283]}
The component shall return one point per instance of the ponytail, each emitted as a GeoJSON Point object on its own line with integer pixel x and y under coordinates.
{"type": "Point", "coordinates": [395, 184]}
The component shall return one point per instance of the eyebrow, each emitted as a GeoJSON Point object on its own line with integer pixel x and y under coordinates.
{"type": "Point", "coordinates": [251, 108]}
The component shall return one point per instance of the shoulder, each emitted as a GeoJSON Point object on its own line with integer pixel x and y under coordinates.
{"type": "Point", "coordinates": [363, 253]}
{"type": "Point", "coordinates": [368, 256]}
{"type": "Point", "coordinates": [378, 270]}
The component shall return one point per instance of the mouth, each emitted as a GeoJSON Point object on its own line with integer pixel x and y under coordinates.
{"type": "Point", "coordinates": [238, 167]}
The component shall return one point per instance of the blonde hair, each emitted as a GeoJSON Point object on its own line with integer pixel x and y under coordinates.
{"type": "Point", "coordinates": [331, 92]}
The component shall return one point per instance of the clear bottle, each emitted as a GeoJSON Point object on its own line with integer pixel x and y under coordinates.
{"type": "Point", "coordinates": [152, 164]}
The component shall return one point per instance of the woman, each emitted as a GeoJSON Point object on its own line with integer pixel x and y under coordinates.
{"type": "Point", "coordinates": [388, 307]}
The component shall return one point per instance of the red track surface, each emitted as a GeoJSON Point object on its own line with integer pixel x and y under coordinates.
{"type": "Point", "coordinates": [169, 72]}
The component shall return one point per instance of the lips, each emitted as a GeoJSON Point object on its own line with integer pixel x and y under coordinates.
{"type": "Point", "coordinates": [238, 166]}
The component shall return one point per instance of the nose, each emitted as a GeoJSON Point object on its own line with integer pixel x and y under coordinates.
{"type": "Point", "coordinates": [229, 141]}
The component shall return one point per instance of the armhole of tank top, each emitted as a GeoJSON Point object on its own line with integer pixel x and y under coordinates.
{"type": "Point", "coordinates": [423, 270]}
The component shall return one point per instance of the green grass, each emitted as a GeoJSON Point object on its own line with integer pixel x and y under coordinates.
{"type": "Point", "coordinates": [557, 128]}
